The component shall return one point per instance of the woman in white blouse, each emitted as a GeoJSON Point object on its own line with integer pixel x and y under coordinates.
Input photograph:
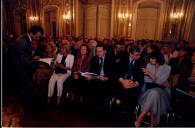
{"type": "Point", "coordinates": [63, 65]}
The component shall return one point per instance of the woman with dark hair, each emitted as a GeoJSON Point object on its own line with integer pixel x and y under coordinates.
{"type": "Point", "coordinates": [82, 61]}
{"type": "Point", "coordinates": [147, 51]}
{"type": "Point", "coordinates": [154, 98]}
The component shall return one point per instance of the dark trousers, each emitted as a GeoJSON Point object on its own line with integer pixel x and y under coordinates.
{"type": "Point", "coordinates": [129, 97]}
{"type": "Point", "coordinates": [100, 92]}
{"type": "Point", "coordinates": [77, 86]}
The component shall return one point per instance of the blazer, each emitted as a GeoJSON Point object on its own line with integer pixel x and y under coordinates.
{"type": "Point", "coordinates": [84, 66]}
{"type": "Point", "coordinates": [69, 61]}
{"type": "Point", "coordinates": [107, 67]}
{"type": "Point", "coordinates": [21, 56]}
{"type": "Point", "coordinates": [184, 69]}
{"type": "Point", "coordinates": [137, 72]}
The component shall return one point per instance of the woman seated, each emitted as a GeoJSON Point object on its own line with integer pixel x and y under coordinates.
{"type": "Point", "coordinates": [81, 64]}
{"type": "Point", "coordinates": [155, 95]}
{"type": "Point", "coordinates": [44, 71]}
{"type": "Point", "coordinates": [50, 51]}
{"type": "Point", "coordinates": [63, 65]}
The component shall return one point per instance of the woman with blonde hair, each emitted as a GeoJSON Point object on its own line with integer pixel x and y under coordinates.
{"type": "Point", "coordinates": [63, 65]}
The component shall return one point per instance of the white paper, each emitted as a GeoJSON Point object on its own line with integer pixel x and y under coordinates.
{"type": "Point", "coordinates": [46, 60]}
{"type": "Point", "coordinates": [89, 74]}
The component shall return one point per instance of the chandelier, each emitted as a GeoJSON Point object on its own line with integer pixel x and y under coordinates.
{"type": "Point", "coordinates": [176, 15]}
{"type": "Point", "coordinates": [34, 18]}
{"type": "Point", "coordinates": [67, 16]}
{"type": "Point", "coordinates": [123, 16]}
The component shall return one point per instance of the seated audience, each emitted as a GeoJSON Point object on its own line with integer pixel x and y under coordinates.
{"type": "Point", "coordinates": [181, 69]}
{"type": "Point", "coordinates": [146, 53]}
{"type": "Point", "coordinates": [155, 94]}
{"type": "Point", "coordinates": [102, 65]}
{"type": "Point", "coordinates": [92, 47]}
{"type": "Point", "coordinates": [44, 71]}
{"type": "Point", "coordinates": [192, 76]}
{"type": "Point", "coordinates": [81, 64]}
{"type": "Point", "coordinates": [63, 65]}
{"type": "Point", "coordinates": [130, 78]}
{"type": "Point", "coordinates": [166, 51]}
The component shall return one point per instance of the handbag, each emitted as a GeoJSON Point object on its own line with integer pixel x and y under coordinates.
{"type": "Point", "coordinates": [60, 70]}
{"type": "Point", "coordinates": [154, 85]}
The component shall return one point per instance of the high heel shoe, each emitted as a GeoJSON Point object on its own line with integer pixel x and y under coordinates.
{"type": "Point", "coordinates": [137, 124]}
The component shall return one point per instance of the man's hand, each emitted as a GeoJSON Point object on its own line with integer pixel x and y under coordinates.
{"type": "Point", "coordinates": [128, 83]}
{"type": "Point", "coordinates": [88, 78]}
{"type": "Point", "coordinates": [103, 78]}
{"type": "Point", "coordinates": [36, 57]}
{"type": "Point", "coordinates": [145, 71]}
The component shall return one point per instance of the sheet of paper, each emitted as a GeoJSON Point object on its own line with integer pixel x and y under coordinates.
{"type": "Point", "coordinates": [89, 74]}
{"type": "Point", "coordinates": [47, 60]}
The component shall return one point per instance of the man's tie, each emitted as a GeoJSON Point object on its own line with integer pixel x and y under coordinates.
{"type": "Point", "coordinates": [101, 64]}
{"type": "Point", "coordinates": [130, 69]}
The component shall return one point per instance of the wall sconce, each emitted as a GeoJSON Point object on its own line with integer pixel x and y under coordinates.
{"type": "Point", "coordinates": [124, 16]}
{"type": "Point", "coordinates": [67, 16]}
{"type": "Point", "coordinates": [34, 18]}
{"type": "Point", "coordinates": [176, 15]}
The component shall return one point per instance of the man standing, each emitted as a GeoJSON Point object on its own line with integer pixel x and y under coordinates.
{"type": "Point", "coordinates": [23, 65]}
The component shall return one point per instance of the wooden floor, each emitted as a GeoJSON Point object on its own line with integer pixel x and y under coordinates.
{"type": "Point", "coordinates": [51, 115]}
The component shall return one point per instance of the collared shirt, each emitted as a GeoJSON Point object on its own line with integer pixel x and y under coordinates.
{"type": "Point", "coordinates": [102, 69]}
{"type": "Point", "coordinates": [29, 38]}
{"type": "Point", "coordinates": [130, 59]}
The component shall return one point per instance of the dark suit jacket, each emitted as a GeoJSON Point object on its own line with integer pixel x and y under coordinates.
{"type": "Point", "coordinates": [137, 72]}
{"type": "Point", "coordinates": [21, 56]}
{"type": "Point", "coordinates": [108, 66]}
{"type": "Point", "coordinates": [184, 69]}
{"type": "Point", "coordinates": [120, 61]}
{"type": "Point", "coordinates": [84, 66]}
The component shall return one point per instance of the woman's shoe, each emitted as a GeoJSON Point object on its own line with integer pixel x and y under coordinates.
{"type": "Point", "coordinates": [137, 124]}
{"type": "Point", "coordinates": [49, 100]}
{"type": "Point", "coordinates": [58, 100]}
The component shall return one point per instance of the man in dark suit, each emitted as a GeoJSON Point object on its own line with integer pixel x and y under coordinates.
{"type": "Point", "coordinates": [181, 68]}
{"type": "Point", "coordinates": [23, 64]}
{"type": "Point", "coordinates": [103, 66]}
{"type": "Point", "coordinates": [119, 57]}
{"type": "Point", "coordinates": [131, 78]}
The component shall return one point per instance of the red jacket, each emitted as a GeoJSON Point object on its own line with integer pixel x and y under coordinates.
{"type": "Point", "coordinates": [80, 65]}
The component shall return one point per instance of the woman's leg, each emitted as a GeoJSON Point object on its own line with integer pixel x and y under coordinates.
{"type": "Point", "coordinates": [60, 83]}
{"type": "Point", "coordinates": [151, 119]}
{"type": "Point", "coordinates": [51, 86]}
{"type": "Point", "coordinates": [140, 119]}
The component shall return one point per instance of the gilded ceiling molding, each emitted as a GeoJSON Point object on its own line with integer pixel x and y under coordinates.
{"type": "Point", "coordinates": [51, 2]}
{"type": "Point", "coordinates": [99, 1]}
{"type": "Point", "coordinates": [22, 4]}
